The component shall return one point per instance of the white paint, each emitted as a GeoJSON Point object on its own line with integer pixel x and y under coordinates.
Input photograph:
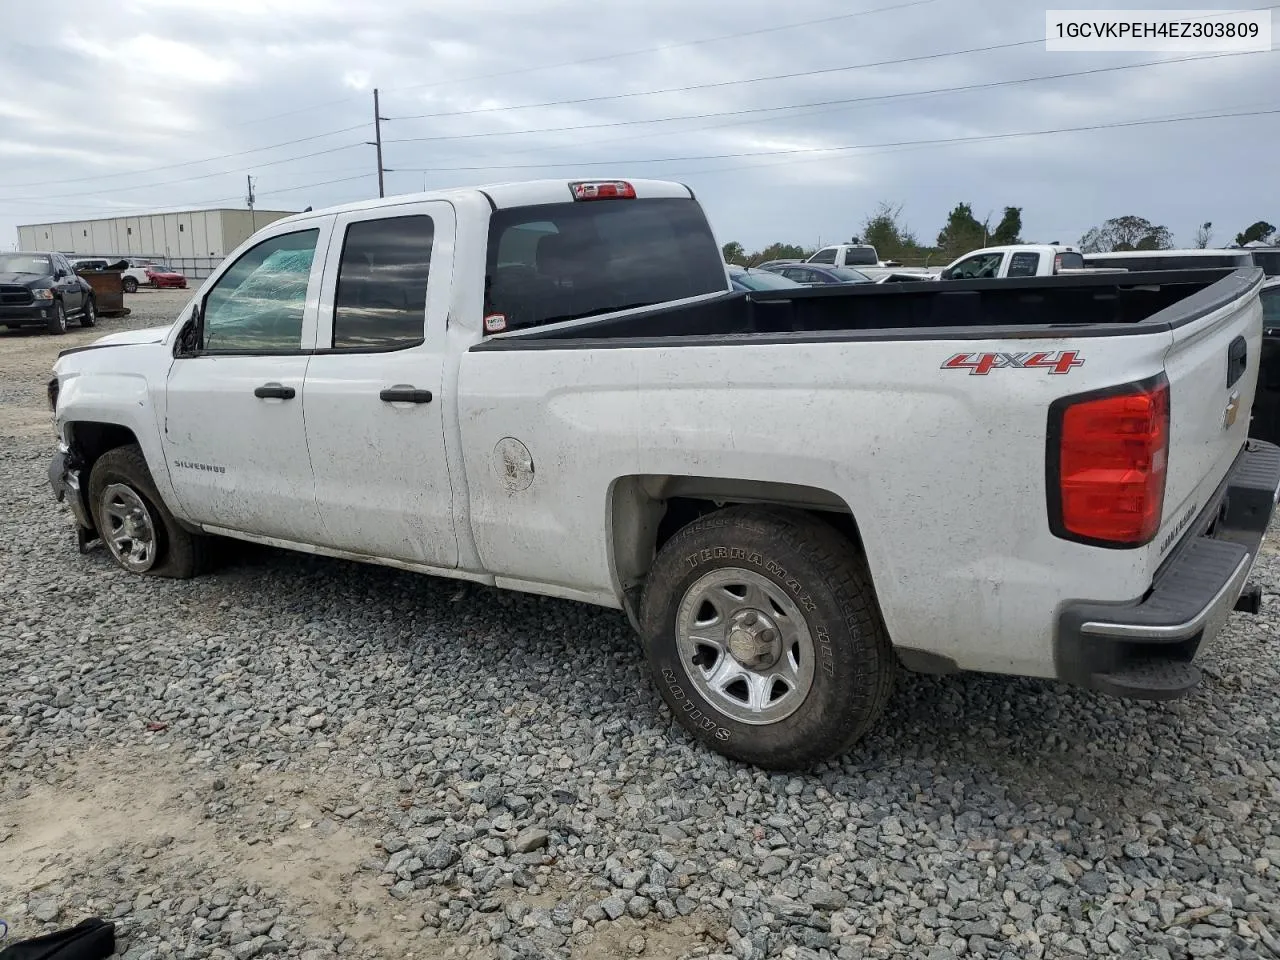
{"type": "Point", "coordinates": [509, 476]}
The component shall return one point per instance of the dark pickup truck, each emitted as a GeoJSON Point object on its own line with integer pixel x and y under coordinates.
{"type": "Point", "coordinates": [42, 289]}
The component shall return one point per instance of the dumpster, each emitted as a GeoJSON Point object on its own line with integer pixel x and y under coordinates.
{"type": "Point", "coordinates": [108, 288]}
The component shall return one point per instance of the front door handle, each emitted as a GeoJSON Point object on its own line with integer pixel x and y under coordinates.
{"type": "Point", "coordinates": [402, 394]}
{"type": "Point", "coordinates": [274, 391]}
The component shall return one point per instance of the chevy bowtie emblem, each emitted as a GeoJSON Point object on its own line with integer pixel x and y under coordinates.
{"type": "Point", "coordinates": [1232, 411]}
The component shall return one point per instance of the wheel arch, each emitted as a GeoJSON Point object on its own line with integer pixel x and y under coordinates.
{"type": "Point", "coordinates": [647, 510]}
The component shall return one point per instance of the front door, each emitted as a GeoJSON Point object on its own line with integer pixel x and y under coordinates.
{"type": "Point", "coordinates": [68, 284]}
{"type": "Point", "coordinates": [376, 400]}
{"type": "Point", "coordinates": [233, 431]}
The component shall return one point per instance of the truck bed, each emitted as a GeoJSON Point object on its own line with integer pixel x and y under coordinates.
{"type": "Point", "coordinates": [1080, 305]}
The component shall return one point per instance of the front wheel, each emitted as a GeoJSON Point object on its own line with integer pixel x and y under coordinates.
{"type": "Point", "coordinates": [58, 319]}
{"type": "Point", "coordinates": [132, 521]}
{"type": "Point", "coordinates": [763, 633]}
{"type": "Point", "coordinates": [130, 285]}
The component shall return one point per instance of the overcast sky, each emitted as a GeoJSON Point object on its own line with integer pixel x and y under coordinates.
{"type": "Point", "coordinates": [145, 107]}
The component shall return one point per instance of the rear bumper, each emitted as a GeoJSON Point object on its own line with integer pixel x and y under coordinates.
{"type": "Point", "coordinates": [1146, 648]}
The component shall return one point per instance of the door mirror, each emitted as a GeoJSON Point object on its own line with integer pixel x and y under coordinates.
{"type": "Point", "coordinates": [945, 274]}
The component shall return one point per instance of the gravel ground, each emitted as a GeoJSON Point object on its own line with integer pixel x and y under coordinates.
{"type": "Point", "coordinates": [311, 758]}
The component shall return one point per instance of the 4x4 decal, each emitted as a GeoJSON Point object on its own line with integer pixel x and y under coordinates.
{"type": "Point", "coordinates": [980, 364]}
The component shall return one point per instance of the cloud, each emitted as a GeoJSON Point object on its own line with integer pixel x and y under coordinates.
{"type": "Point", "coordinates": [169, 107]}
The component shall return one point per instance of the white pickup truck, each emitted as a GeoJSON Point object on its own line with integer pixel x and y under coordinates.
{"type": "Point", "coordinates": [1016, 260]}
{"type": "Point", "coordinates": [550, 387]}
{"type": "Point", "coordinates": [864, 258]}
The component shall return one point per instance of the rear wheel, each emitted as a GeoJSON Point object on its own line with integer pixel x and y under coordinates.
{"type": "Point", "coordinates": [136, 528]}
{"type": "Point", "coordinates": [130, 285]}
{"type": "Point", "coordinates": [58, 319]}
{"type": "Point", "coordinates": [89, 316]}
{"type": "Point", "coordinates": [763, 634]}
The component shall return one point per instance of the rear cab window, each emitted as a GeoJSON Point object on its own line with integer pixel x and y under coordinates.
{"type": "Point", "coordinates": [860, 257]}
{"type": "Point", "coordinates": [562, 261]}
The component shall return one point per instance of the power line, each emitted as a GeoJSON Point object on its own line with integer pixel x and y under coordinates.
{"type": "Point", "coordinates": [724, 83]}
{"type": "Point", "coordinates": [842, 149]}
{"type": "Point", "coordinates": [198, 176]}
{"type": "Point", "coordinates": [190, 163]}
{"type": "Point", "coordinates": [144, 209]}
{"type": "Point", "coordinates": [661, 48]}
{"type": "Point", "coordinates": [824, 103]}
{"type": "Point", "coordinates": [731, 83]}
{"type": "Point", "coordinates": [488, 76]}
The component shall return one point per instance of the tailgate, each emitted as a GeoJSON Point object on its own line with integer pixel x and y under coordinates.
{"type": "Point", "coordinates": [1212, 366]}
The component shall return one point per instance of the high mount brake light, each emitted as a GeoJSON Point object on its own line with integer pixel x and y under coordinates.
{"type": "Point", "coordinates": [1107, 456]}
{"type": "Point", "coordinates": [603, 190]}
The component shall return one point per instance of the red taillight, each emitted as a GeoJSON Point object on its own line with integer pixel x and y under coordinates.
{"type": "Point", "coordinates": [1057, 262]}
{"type": "Point", "coordinates": [603, 190]}
{"type": "Point", "coordinates": [1108, 454]}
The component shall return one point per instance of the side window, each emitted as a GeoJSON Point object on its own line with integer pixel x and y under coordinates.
{"type": "Point", "coordinates": [796, 274]}
{"type": "Point", "coordinates": [984, 265]}
{"type": "Point", "coordinates": [1024, 264]}
{"type": "Point", "coordinates": [381, 298]}
{"type": "Point", "coordinates": [257, 304]}
{"type": "Point", "coordinates": [827, 255]}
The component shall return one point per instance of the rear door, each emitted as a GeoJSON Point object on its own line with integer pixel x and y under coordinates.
{"type": "Point", "coordinates": [1022, 263]}
{"type": "Point", "coordinates": [376, 397]}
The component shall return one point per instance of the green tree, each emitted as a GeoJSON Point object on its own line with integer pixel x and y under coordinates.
{"type": "Point", "coordinates": [892, 240]}
{"type": "Point", "coordinates": [1259, 231]}
{"type": "Point", "coordinates": [1126, 233]}
{"type": "Point", "coordinates": [962, 232]}
{"type": "Point", "coordinates": [778, 251]}
{"type": "Point", "coordinates": [1009, 229]}
{"type": "Point", "coordinates": [733, 252]}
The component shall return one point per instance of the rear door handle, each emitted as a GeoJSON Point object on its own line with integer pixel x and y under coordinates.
{"type": "Point", "coordinates": [274, 391]}
{"type": "Point", "coordinates": [402, 394]}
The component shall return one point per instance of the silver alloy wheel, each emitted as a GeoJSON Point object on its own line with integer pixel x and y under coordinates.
{"type": "Point", "coordinates": [130, 533]}
{"type": "Point", "coordinates": [745, 646]}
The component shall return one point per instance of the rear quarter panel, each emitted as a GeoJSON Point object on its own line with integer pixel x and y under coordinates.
{"type": "Point", "coordinates": [943, 469]}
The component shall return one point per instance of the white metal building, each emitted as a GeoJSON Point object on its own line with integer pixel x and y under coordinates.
{"type": "Point", "coordinates": [192, 240]}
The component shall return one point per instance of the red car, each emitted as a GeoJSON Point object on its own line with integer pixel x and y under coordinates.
{"type": "Point", "coordinates": [159, 276]}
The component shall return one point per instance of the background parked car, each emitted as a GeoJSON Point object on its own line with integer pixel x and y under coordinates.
{"type": "Point", "coordinates": [136, 274]}
{"type": "Point", "coordinates": [161, 276]}
{"type": "Point", "coordinates": [746, 278]}
{"type": "Point", "coordinates": [42, 289]}
{"type": "Point", "coordinates": [813, 275]}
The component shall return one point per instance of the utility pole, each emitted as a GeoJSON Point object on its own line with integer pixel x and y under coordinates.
{"type": "Point", "coordinates": [377, 133]}
{"type": "Point", "coordinates": [249, 199]}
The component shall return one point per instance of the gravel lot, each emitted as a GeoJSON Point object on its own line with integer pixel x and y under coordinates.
{"type": "Point", "coordinates": [312, 758]}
